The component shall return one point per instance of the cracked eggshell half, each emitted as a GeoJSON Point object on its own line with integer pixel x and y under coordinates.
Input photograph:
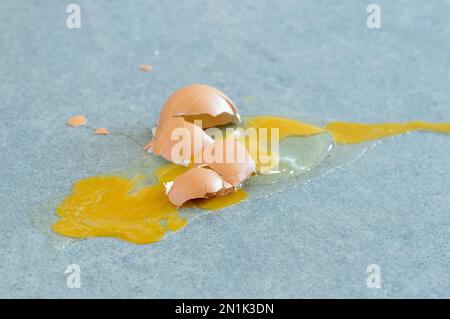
{"type": "Point", "coordinates": [198, 182]}
{"type": "Point", "coordinates": [230, 159]}
{"type": "Point", "coordinates": [177, 141]}
{"type": "Point", "coordinates": [200, 102]}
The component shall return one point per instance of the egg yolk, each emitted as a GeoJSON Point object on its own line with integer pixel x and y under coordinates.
{"type": "Point", "coordinates": [259, 144]}
{"type": "Point", "coordinates": [113, 206]}
{"type": "Point", "coordinates": [351, 133]}
{"type": "Point", "coordinates": [286, 126]}
{"type": "Point", "coordinates": [216, 203]}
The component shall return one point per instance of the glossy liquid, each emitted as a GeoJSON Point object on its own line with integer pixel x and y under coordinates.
{"type": "Point", "coordinates": [137, 209]}
{"type": "Point", "coordinates": [114, 206]}
{"type": "Point", "coordinates": [351, 133]}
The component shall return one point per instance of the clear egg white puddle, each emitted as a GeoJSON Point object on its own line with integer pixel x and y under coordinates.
{"type": "Point", "coordinates": [302, 159]}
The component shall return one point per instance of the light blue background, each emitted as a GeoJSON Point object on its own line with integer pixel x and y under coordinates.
{"type": "Point", "coordinates": [305, 58]}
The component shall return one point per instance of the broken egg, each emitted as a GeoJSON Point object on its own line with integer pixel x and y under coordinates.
{"type": "Point", "coordinates": [142, 209]}
{"type": "Point", "coordinates": [200, 102]}
{"type": "Point", "coordinates": [179, 137]}
{"type": "Point", "coordinates": [229, 158]}
{"type": "Point", "coordinates": [177, 141]}
{"type": "Point", "coordinates": [198, 182]}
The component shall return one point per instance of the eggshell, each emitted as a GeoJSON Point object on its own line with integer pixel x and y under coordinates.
{"type": "Point", "coordinates": [145, 67]}
{"type": "Point", "coordinates": [230, 159]}
{"type": "Point", "coordinates": [77, 120]}
{"type": "Point", "coordinates": [198, 182]}
{"type": "Point", "coordinates": [163, 144]}
{"type": "Point", "coordinates": [200, 102]}
{"type": "Point", "coordinates": [218, 173]}
{"type": "Point", "coordinates": [101, 131]}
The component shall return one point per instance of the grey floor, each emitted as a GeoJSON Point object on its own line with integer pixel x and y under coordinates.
{"type": "Point", "coordinates": [311, 58]}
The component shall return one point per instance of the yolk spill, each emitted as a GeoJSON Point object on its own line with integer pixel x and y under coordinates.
{"type": "Point", "coordinates": [286, 126]}
{"type": "Point", "coordinates": [107, 206]}
{"type": "Point", "coordinates": [351, 133]}
{"type": "Point", "coordinates": [264, 158]}
{"type": "Point", "coordinates": [343, 132]}
{"type": "Point", "coordinates": [216, 203]}
{"type": "Point", "coordinates": [113, 206]}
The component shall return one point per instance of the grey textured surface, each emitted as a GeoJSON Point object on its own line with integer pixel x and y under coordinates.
{"type": "Point", "coordinates": [312, 58]}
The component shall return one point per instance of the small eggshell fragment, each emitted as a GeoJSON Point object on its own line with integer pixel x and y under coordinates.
{"type": "Point", "coordinates": [230, 159]}
{"type": "Point", "coordinates": [76, 121]}
{"type": "Point", "coordinates": [166, 144]}
{"type": "Point", "coordinates": [145, 67]}
{"type": "Point", "coordinates": [200, 102]}
{"type": "Point", "coordinates": [148, 147]}
{"type": "Point", "coordinates": [227, 188]}
{"type": "Point", "coordinates": [198, 182]}
{"type": "Point", "coordinates": [101, 131]}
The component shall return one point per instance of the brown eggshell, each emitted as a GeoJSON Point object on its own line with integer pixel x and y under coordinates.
{"type": "Point", "coordinates": [230, 159]}
{"type": "Point", "coordinates": [77, 120]}
{"type": "Point", "coordinates": [101, 131]}
{"type": "Point", "coordinates": [198, 182]}
{"type": "Point", "coordinates": [163, 144]}
{"type": "Point", "coordinates": [200, 102]}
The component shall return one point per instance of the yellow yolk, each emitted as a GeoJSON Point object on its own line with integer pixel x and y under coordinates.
{"type": "Point", "coordinates": [259, 144]}
{"type": "Point", "coordinates": [113, 206]}
{"type": "Point", "coordinates": [286, 126]}
{"type": "Point", "coordinates": [351, 133]}
{"type": "Point", "coordinates": [168, 172]}
{"type": "Point", "coordinates": [107, 206]}
{"type": "Point", "coordinates": [217, 203]}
